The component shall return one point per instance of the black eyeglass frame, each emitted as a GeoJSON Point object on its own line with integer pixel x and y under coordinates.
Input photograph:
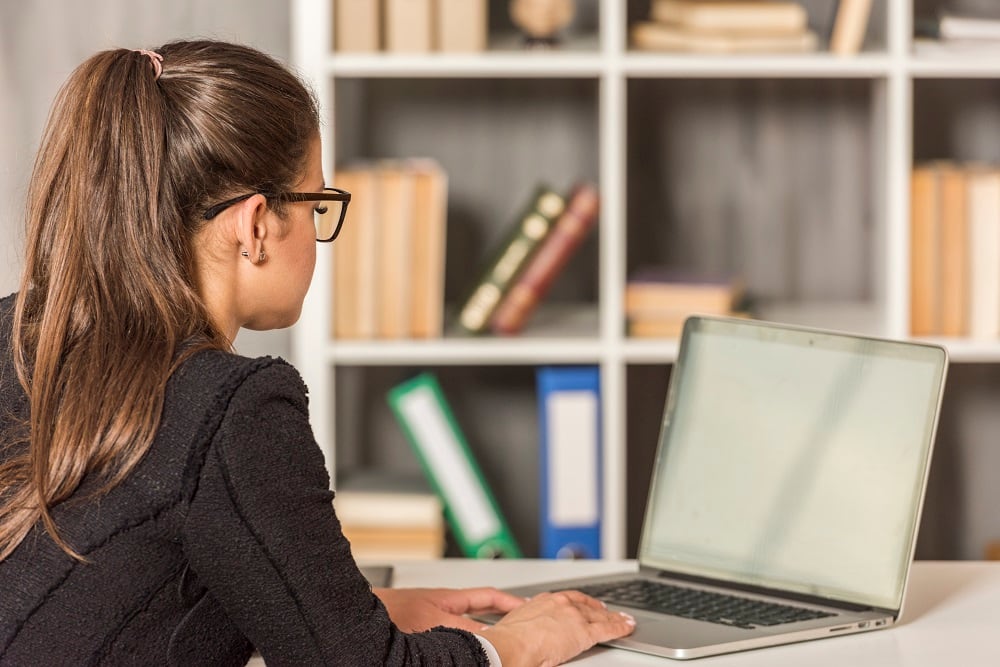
{"type": "Point", "coordinates": [328, 194]}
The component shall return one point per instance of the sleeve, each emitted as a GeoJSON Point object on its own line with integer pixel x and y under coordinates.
{"type": "Point", "coordinates": [262, 536]}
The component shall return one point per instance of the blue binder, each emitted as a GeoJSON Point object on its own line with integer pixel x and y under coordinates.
{"type": "Point", "coordinates": [569, 408]}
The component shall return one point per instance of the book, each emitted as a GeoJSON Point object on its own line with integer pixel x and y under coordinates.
{"type": "Point", "coordinates": [953, 254]}
{"type": "Point", "coordinates": [471, 510]}
{"type": "Point", "coordinates": [461, 25]}
{"type": "Point", "coordinates": [925, 299]}
{"type": "Point", "coordinates": [396, 187]}
{"type": "Point", "coordinates": [653, 291]}
{"type": "Point", "coordinates": [357, 26]}
{"type": "Point", "coordinates": [429, 237]}
{"type": "Point", "coordinates": [957, 27]}
{"type": "Point", "coordinates": [509, 258]}
{"type": "Point", "coordinates": [577, 219]}
{"type": "Point", "coordinates": [984, 255]}
{"type": "Point", "coordinates": [649, 36]}
{"type": "Point", "coordinates": [354, 311]}
{"type": "Point", "coordinates": [569, 409]}
{"type": "Point", "coordinates": [762, 17]}
{"type": "Point", "coordinates": [390, 517]}
{"type": "Point", "coordinates": [849, 26]}
{"type": "Point", "coordinates": [408, 26]}
{"type": "Point", "coordinates": [657, 300]}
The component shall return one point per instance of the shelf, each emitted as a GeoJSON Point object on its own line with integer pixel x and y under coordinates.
{"type": "Point", "coordinates": [932, 59]}
{"type": "Point", "coordinates": [790, 170]}
{"type": "Point", "coordinates": [555, 334]}
{"type": "Point", "coordinates": [577, 58]}
{"type": "Point", "coordinates": [814, 65]}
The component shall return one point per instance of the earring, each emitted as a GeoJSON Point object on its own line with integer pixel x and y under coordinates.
{"type": "Point", "coordinates": [260, 258]}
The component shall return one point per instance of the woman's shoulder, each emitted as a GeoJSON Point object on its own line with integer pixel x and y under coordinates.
{"type": "Point", "coordinates": [226, 373]}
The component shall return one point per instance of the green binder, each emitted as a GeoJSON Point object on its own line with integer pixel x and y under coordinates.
{"type": "Point", "coordinates": [469, 506]}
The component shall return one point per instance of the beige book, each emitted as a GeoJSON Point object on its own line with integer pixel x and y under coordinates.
{"type": "Point", "coordinates": [984, 253]}
{"type": "Point", "coordinates": [462, 25]}
{"type": "Point", "coordinates": [356, 25]}
{"type": "Point", "coordinates": [954, 252]}
{"type": "Point", "coordinates": [925, 225]}
{"type": "Point", "coordinates": [430, 214]}
{"type": "Point", "coordinates": [395, 222]}
{"type": "Point", "coordinates": [354, 256]}
{"type": "Point", "coordinates": [849, 26]}
{"type": "Point", "coordinates": [662, 37]}
{"type": "Point", "coordinates": [408, 26]}
{"type": "Point", "coordinates": [732, 16]}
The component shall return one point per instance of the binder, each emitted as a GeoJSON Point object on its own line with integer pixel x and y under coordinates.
{"type": "Point", "coordinates": [570, 436]}
{"type": "Point", "coordinates": [472, 512]}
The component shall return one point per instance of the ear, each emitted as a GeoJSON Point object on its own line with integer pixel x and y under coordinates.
{"type": "Point", "coordinates": [251, 227]}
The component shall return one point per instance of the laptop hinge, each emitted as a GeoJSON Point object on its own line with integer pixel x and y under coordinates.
{"type": "Point", "coordinates": [760, 590]}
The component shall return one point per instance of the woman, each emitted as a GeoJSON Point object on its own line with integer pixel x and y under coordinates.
{"type": "Point", "coordinates": [162, 499]}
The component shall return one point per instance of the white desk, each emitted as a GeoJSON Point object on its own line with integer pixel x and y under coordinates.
{"type": "Point", "coordinates": [951, 617]}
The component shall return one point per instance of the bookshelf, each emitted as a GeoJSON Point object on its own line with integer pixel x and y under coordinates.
{"type": "Point", "coordinates": [819, 221]}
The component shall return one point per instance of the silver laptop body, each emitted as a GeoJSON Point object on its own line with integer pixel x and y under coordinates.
{"type": "Point", "coordinates": [790, 469]}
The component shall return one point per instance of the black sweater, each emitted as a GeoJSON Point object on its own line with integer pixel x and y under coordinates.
{"type": "Point", "coordinates": [223, 539]}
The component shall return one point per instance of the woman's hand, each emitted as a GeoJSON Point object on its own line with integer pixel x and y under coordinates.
{"type": "Point", "coordinates": [551, 628]}
{"type": "Point", "coordinates": [418, 609]}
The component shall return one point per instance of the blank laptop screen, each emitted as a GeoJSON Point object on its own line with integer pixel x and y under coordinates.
{"type": "Point", "coordinates": [794, 459]}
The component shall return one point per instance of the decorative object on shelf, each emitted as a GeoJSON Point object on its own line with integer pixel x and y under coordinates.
{"type": "Point", "coordinates": [510, 258]}
{"type": "Point", "coordinates": [849, 26]}
{"type": "Point", "coordinates": [730, 26]}
{"type": "Point", "coordinates": [569, 231]}
{"type": "Point", "coordinates": [542, 20]}
{"type": "Point", "coordinates": [469, 505]}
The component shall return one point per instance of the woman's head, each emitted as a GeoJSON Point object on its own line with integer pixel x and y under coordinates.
{"type": "Point", "coordinates": [136, 149]}
{"type": "Point", "coordinates": [130, 160]}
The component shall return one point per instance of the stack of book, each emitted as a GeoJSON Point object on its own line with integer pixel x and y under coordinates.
{"type": "Point", "coordinates": [410, 26]}
{"type": "Point", "coordinates": [389, 259]}
{"type": "Point", "coordinates": [725, 26]}
{"type": "Point", "coordinates": [958, 32]}
{"type": "Point", "coordinates": [520, 271]}
{"type": "Point", "coordinates": [955, 250]}
{"type": "Point", "coordinates": [658, 300]}
{"type": "Point", "coordinates": [389, 518]}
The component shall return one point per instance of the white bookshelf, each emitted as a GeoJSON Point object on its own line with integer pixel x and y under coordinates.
{"type": "Point", "coordinates": [883, 77]}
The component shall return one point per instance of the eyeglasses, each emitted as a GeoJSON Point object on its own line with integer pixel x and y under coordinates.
{"type": "Point", "coordinates": [329, 217]}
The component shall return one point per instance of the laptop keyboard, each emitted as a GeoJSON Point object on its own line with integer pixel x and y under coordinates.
{"type": "Point", "coordinates": [701, 605]}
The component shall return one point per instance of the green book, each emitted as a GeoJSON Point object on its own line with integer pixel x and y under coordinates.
{"type": "Point", "coordinates": [510, 258]}
{"type": "Point", "coordinates": [469, 505]}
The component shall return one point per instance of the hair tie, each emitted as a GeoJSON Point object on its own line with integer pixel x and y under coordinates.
{"type": "Point", "coordinates": [154, 58]}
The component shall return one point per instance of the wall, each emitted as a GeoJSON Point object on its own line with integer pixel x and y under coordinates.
{"type": "Point", "coordinates": [43, 40]}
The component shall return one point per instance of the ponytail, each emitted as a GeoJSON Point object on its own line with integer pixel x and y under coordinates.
{"type": "Point", "coordinates": [108, 304]}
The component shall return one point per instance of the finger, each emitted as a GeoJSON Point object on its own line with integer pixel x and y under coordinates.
{"type": "Point", "coordinates": [582, 599]}
{"type": "Point", "coordinates": [486, 599]}
{"type": "Point", "coordinates": [615, 624]}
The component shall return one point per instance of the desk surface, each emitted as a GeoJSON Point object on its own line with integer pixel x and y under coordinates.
{"type": "Point", "coordinates": [951, 616]}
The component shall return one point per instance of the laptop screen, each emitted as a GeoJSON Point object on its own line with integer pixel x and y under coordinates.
{"type": "Point", "coordinates": [794, 459]}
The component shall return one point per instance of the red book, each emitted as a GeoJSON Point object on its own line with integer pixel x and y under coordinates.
{"type": "Point", "coordinates": [530, 288]}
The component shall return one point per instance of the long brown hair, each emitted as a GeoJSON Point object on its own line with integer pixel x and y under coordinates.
{"type": "Point", "coordinates": [108, 304]}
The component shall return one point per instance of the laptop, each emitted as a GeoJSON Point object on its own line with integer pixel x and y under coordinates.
{"type": "Point", "coordinates": [786, 491]}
